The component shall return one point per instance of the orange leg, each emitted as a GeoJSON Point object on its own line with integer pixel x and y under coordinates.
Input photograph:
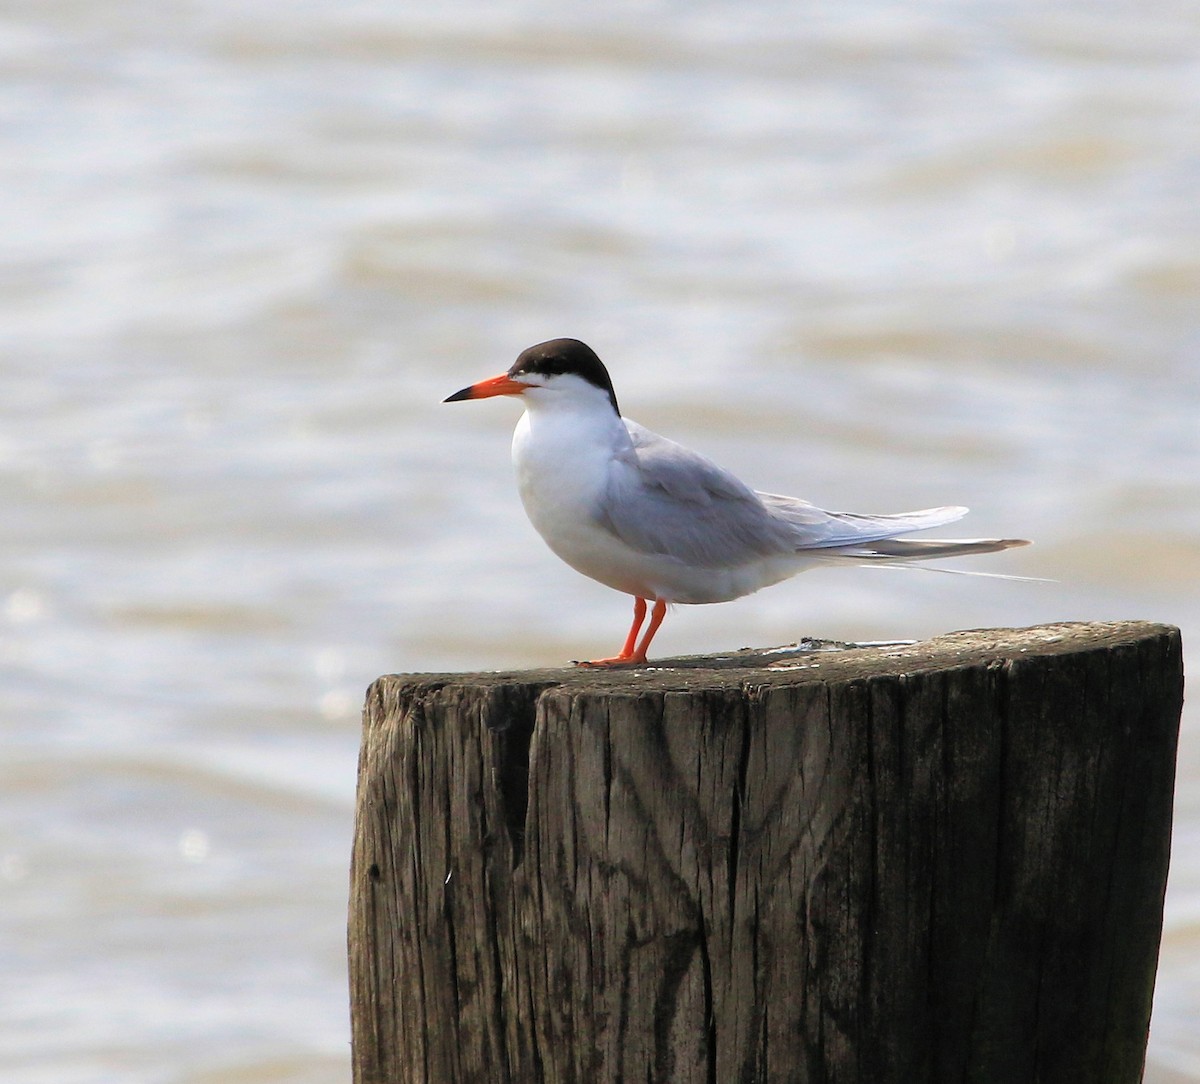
{"type": "Point", "coordinates": [639, 615]}
{"type": "Point", "coordinates": [656, 619]}
{"type": "Point", "coordinates": [633, 652]}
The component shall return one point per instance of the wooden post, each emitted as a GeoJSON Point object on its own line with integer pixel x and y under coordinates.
{"type": "Point", "coordinates": [937, 862]}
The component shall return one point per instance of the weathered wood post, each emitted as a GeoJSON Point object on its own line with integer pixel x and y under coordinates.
{"type": "Point", "coordinates": [937, 862]}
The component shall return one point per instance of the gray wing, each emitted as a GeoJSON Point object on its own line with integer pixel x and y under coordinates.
{"type": "Point", "coordinates": [663, 498]}
{"type": "Point", "coordinates": [819, 529]}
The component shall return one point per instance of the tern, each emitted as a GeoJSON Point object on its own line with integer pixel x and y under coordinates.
{"type": "Point", "coordinates": [649, 517]}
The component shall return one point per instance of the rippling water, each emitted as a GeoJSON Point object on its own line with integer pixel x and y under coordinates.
{"type": "Point", "coordinates": [879, 257]}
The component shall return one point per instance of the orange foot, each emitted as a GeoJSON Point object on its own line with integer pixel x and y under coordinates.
{"type": "Point", "coordinates": [616, 660]}
{"type": "Point", "coordinates": [634, 653]}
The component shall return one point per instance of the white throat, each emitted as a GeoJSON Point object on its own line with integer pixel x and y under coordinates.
{"type": "Point", "coordinates": [563, 451]}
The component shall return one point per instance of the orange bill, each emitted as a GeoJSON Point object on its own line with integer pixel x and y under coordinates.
{"type": "Point", "coordinates": [496, 385]}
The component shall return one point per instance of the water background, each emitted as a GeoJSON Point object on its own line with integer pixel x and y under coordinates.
{"type": "Point", "coordinates": [879, 256]}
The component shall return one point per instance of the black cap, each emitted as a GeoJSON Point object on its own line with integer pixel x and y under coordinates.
{"type": "Point", "coordinates": [557, 357]}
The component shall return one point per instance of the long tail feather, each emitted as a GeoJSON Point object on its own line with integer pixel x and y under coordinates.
{"type": "Point", "coordinates": [909, 567]}
{"type": "Point", "coordinates": [904, 549]}
{"type": "Point", "coordinates": [903, 552]}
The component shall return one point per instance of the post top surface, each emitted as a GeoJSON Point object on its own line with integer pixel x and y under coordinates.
{"type": "Point", "coordinates": [822, 660]}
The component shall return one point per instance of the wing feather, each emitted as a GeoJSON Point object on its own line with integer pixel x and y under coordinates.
{"type": "Point", "coordinates": [819, 529]}
{"type": "Point", "coordinates": [665, 499]}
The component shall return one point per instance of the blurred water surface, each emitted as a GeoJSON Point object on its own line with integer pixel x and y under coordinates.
{"type": "Point", "coordinates": [880, 257]}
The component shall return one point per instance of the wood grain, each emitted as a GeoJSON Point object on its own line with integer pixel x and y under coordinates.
{"type": "Point", "coordinates": [936, 862]}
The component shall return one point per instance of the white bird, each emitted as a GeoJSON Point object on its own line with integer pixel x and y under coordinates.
{"type": "Point", "coordinates": [644, 515]}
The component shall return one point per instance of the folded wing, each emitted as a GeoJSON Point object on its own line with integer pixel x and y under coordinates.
{"type": "Point", "coordinates": [665, 499]}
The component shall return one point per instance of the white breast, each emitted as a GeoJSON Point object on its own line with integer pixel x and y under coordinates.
{"type": "Point", "coordinates": [562, 459]}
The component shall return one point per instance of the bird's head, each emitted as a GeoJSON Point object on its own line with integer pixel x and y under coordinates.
{"type": "Point", "coordinates": [559, 371]}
